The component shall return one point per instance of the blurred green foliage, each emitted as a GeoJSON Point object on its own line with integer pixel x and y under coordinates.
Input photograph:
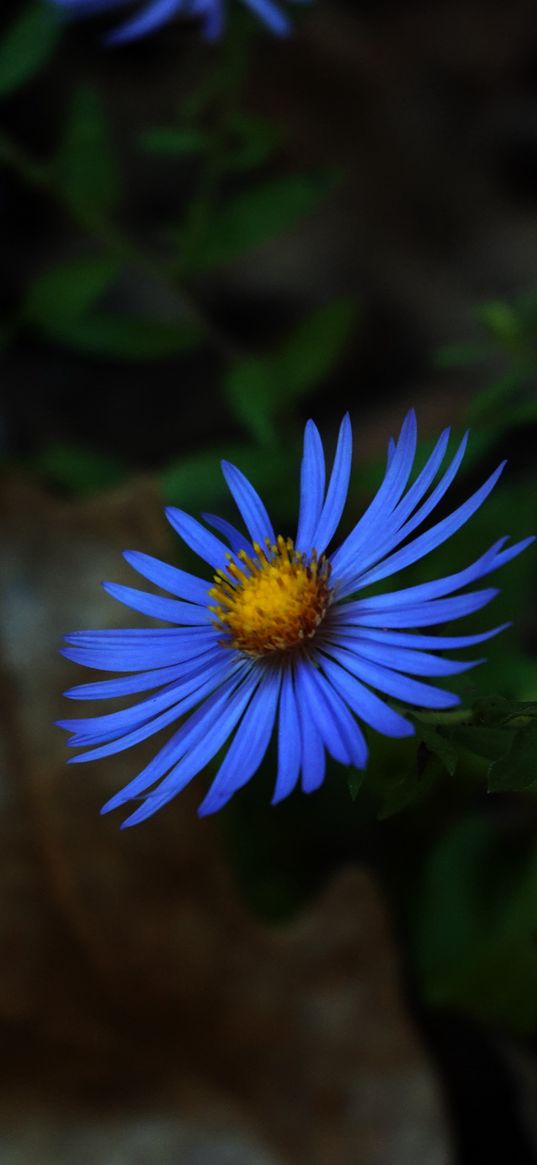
{"type": "Point", "coordinates": [476, 943]}
{"type": "Point", "coordinates": [27, 46]}
{"type": "Point", "coordinates": [85, 169]}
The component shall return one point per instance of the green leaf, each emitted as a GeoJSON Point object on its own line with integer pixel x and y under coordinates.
{"type": "Point", "coordinates": [80, 471]}
{"type": "Point", "coordinates": [437, 744]}
{"type": "Point", "coordinates": [517, 769]}
{"type": "Point", "coordinates": [61, 303]}
{"type": "Point", "coordinates": [63, 294]}
{"type": "Point", "coordinates": [483, 740]}
{"type": "Point", "coordinates": [476, 945]}
{"type": "Point", "coordinates": [255, 141]}
{"type": "Point", "coordinates": [259, 390]}
{"type": "Point", "coordinates": [86, 167]}
{"type": "Point", "coordinates": [415, 785]}
{"type": "Point", "coordinates": [311, 351]}
{"type": "Point", "coordinates": [252, 396]}
{"type": "Point", "coordinates": [196, 482]}
{"type": "Point", "coordinates": [491, 709]}
{"type": "Point", "coordinates": [502, 321]}
{"type": "Point", "coordinates": [27, 46]}
{"type": "Point", "coordinates": [127, 337]}
{"type": "Point", "coordinates": [355, 780]}
{"type": "Point", "coordinates": [255, 216]}
{"type": "Point", "coordinates": [173, 142]}
{"type": "Point", "coordinates": [461, 355]}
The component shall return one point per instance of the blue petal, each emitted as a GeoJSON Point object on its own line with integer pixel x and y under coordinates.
{"type": "Point", "coordinates": [148, 727]}
{"type": "Point", "coordinates": [391, 683]}
{"type": "Point", "coordinates": [170, 578]}
{"type": "Point", "coordinates": [424, 614]}
{"type": "Point", "coordinates": [98, 729]}
{"type": "Point", "coordinates": [189, 734]}
{"type": "Point", "coordinates": [137, 650]}
{"type": "Point", "coordinates": [439, 642]}
{"type": "Point", "coordinates": [385, 500]}
{"type": "Point", "coordinates": [236, 540]}
{"type": "Point", "coordinates": [289, 741]}
{"type": "Point", "coordinates": [313, 754]}
{"type": "Point", "coordinates": [132, 738]}
{"type": "Point", "coordinates": [418, 663]}
{"type": "Point", "coordinates": [312, 483]}
{"type": "Point", "coordinates": [337, 489]}
{"type": "Point", "coordinates": [249, 503]}
{"type": "Point", "coordinates": [211, 12]}
{"type": "Point", "coordinates": [271, 15]}
{"type": "Point", "coordinates": [395, 529]}
{"type": "Point", "coordinates": [316, 710]}
{"type": "Point", "coordinates": [248, 747]}
{"type": "Point", "coordinates": [434, 537]}
{"type": "Point", "coordinates": [200, 755]}
{"type": "Point", "coordinates": [172, 610]}
{"type": "Point", "coordinates": [148, 20]}
{"type": "Point", "coordinates": [437, 588]}
{"type": "Point", "coordinates": [342, 736]}
{"type": "Point", "coordinates": [204, 544]}
{"type": "Point", "coordinates": [351, 731]}
{"type": "Point", "coordinates": [139, 682]}
{"type": "Point", "coordinates": [370, 708]}
{"type": "Point", "coordinates": [424, 479]}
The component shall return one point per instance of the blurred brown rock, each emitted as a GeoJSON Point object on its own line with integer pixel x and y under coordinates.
{"type": "Point", "coordinates": [144, 1014]}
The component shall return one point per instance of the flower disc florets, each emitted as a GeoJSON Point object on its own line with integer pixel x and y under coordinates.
{"type": "Point", "coordinates": [276, 602]}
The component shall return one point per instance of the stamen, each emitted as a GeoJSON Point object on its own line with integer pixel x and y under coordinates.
{"type": "Point", "coordinates": [276, 603]}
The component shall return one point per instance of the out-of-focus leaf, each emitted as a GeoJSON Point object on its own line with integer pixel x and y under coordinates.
{"type": "Point", "coordinates": [461, 355]}
{"type": "Point", "coordinates": [475, 929]}
{"type": "Point", "coordinates": [252, 397]}
{"type": "Point", "coordinates": [517, 769]}
{"type": "Point", "coordinates": [259, 390]}
{"type": "Point", "coordinates": [62, 304]}
{"type": "Point", "coordinates": [414, 785]}
{"type": "Point", "coordinates": [80, 471]}
{"type": "Point", "coordinates": [355, 780]}
{"type": "Point", "coordinates": [257, 215]}
{"type": "Point", "coordinates": [195, 482]}
{"type": "Point", "coordinates": [255, 141]}
{"type": "Point", "coordinates": [85, 166]}
{"type": "Point", "coordinates": [27, 46]}
{"type": "Point", "coordinates": [488, 405]}
{"type": "Point", "coordinates": [502, 321]}
{"type": "Point", "coordinates": [311, 351]}
{"type": "Point", "coordinates": [173, 141]}
{"type": "Point", "coordinates": [128, 338]}
{"type": "Point", "coordinates": [64, 293]}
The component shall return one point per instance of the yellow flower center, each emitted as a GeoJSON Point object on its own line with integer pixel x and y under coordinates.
{"type": "Point", "coordinates": [274, 602]}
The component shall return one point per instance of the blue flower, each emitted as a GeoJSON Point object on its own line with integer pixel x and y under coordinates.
{"type": "Point", "coordinates": [283, 637]}
{"type": "Point", "coordinates": [152, 15]}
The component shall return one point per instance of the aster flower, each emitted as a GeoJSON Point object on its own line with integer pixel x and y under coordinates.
{"type": "Point", "coordinates": [150, 16]}
{"type": "Point", "coordinates": [283, 638]}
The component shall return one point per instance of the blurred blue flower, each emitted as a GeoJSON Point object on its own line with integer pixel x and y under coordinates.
{"type": "Point", "coordinates": [282, 635]}
{"type": "Point", "coordinates": [152, 15]}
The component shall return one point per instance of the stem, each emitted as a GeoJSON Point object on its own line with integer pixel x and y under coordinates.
{"type": "Point", "coordinates": [227, 93]}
